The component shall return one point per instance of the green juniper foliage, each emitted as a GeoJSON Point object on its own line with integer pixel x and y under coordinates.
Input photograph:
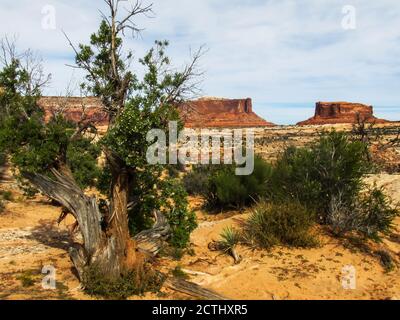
{"type": "Point", "coordinates": [59, 157]}
{"type": "Point", "coordinates": [33, 145]}
{"type": "Point", "coordinates": [36, 146]}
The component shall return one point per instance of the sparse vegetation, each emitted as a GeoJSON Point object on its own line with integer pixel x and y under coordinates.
{"type": "Point", "coordinates": [133, 283]}
{"type": "Point", "coordinates": [327, 178]}
{"type": "Point", "coordinates": [179, 273]}
{"type": "Point", "coordinates": [314, 175]}
{"type": "Point", "coordinates": [371, 215]}
{"type": "Point", "coordinates": [6, 195]}
{"type": "Point", "coordinates": [27, 279]}
{"type": "Point", "coordinates": [287, 223]}
{"type": "Point", "coordinates": [386, 260]}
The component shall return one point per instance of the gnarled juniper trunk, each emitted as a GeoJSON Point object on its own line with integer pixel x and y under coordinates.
{"type": "Point", "coordinates": [106, 246]}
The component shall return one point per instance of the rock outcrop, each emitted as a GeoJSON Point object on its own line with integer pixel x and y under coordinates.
{"type": "Point", "coordinates": [73, 107]}
{"type": "Point", "coordinates": [202, 113]}
{"type": "Point", "coordinates": [221, 113]}
{"type": "Point", "coordinates": [341, 112]}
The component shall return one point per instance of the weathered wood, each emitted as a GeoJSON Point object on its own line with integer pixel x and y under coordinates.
{"type": "Point", "coordinates": [150, 242]}
{"type": "Point", "coordinates": [220, 246]}
{"type": "Point", "coordinates": [192, 289]}
{"type": "Point", "coordinates": [101, 248]}
{"type": "Point", "coordinates": [112, 250]}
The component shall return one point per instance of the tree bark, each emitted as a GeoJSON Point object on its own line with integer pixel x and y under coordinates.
{"type": "Point", "coordinates": [110, 249]}
{"type": "Point", "coordinates": [107, 244]}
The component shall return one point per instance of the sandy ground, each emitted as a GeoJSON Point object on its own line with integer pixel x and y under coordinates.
{"type": "Point", "coordinates": [30, 239]}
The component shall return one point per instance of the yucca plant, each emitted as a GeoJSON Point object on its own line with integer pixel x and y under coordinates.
{"type": "Point", "coordinates": [230, 238]}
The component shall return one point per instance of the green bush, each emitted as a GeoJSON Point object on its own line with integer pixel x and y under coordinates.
{"type": "Point", "coordinates": [82, 158]}
{"type": "Point", "coordinates": [327, 177]}
{"type": "Point", "coordinates": [6, 195]}
{"type": "Point", "coordinates": [371, 215]}
{"type": "Point", "coordinates": [287, 223]}
{"type": "Point", "coordinates": [134, 283]}
{"type": "Point", "coordinates": [223, 189]}
{"type": "Point", "coordinates": [314, 175]}
{"type": "Point", "coordinates": [196, 181]}
{"type": "Point", "coordinates": [375, 214]}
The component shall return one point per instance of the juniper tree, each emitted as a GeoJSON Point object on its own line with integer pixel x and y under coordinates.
{"type": "Point", "coordinates": [44, 152]}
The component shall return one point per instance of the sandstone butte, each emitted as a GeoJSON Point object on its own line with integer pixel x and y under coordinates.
{"type": "Point", "coordinates": [201, 113]}
{"type": "Point", "coordinates": [341, 112]}
{"type": "Point", "coordinates": [221, 113]}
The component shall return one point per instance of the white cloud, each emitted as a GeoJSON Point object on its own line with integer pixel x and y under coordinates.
{"type": "Point", "coordinates": [272, 50]}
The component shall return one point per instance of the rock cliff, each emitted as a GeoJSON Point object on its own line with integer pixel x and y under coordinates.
{"type": "Point", "coordinates": [221, 113]}
{"type": "Point", "coordinates": [206, 112]}
{"type": "Point", "coordinates": [341, 112]}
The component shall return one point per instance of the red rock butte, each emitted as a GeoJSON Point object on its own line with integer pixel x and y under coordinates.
{"type": "Point", "coordinates": [341, 113]}
{"type": "Point", "coordinates": [72, 108]}
{"type": "Point", "coordinates": [201, 113]}
{"type": "Point", "coordinates": [221, 113]}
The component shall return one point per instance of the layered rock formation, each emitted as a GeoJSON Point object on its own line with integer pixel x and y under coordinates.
{"type": "Point", "coordinates": [341, 112]}
{"type": "Point", "coordinates": [221, 113]}
{"type": "Point", "coordinates": [73, 108]}
{"type": "Point", "coordinates": [202, 113]}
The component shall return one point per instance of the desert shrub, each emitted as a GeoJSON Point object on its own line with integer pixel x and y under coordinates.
{"type": "Point", "coordinates": [196, 181]}
{"type": "Point", "coordinates": [314, 175]}
{"type": "Point", "coordinates": [2, 206]}
{"type": "Point", "coordinates": [327, 177]}
{"type": "Point", "coordinates": [386, 260]}
{"type": "Point", "coordinates": [222, 188]}
{"type": "Point", "coordinates": [286, 223]}
{"type": "Point", "coordinates": [170, 198]}
{"type": "Point", "coordinates": [6, 195]}
{"type": "Point", "coordinates": [133, 283]}
{"type": "Point", "coordinates": [371, 215]}
{"type": "Point", "coordinates": [376, 214]}
{"type": "Point", "coordinates": [27, 279]}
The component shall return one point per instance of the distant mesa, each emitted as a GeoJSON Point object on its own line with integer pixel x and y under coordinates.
{"type": "Point", "coordinates": [72, 108]}
{"type": "Point", "coordinates": [341, 113]}
{"type": "Point", "coordinates": [201, 113]}
{"type": "Point", "coordinates": [213, 112]}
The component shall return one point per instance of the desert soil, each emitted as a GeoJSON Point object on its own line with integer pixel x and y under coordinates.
{"type": "Point", "coordinates": [30, 239]}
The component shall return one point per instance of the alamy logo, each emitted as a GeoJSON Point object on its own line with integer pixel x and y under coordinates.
{"type": "Point", "coordinates": [49, 18]}
{"type": "Point", "coordinates": [49, 280]}
{"type": "Point", "coordinates": [349, 281]}
{"type": "Point", "coordinates": [349, 21]}
{"type": "Point", "coordinates": [207, 147]}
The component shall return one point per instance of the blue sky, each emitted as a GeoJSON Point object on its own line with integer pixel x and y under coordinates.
{"type": "Point", "coordinates": [285, 54]}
